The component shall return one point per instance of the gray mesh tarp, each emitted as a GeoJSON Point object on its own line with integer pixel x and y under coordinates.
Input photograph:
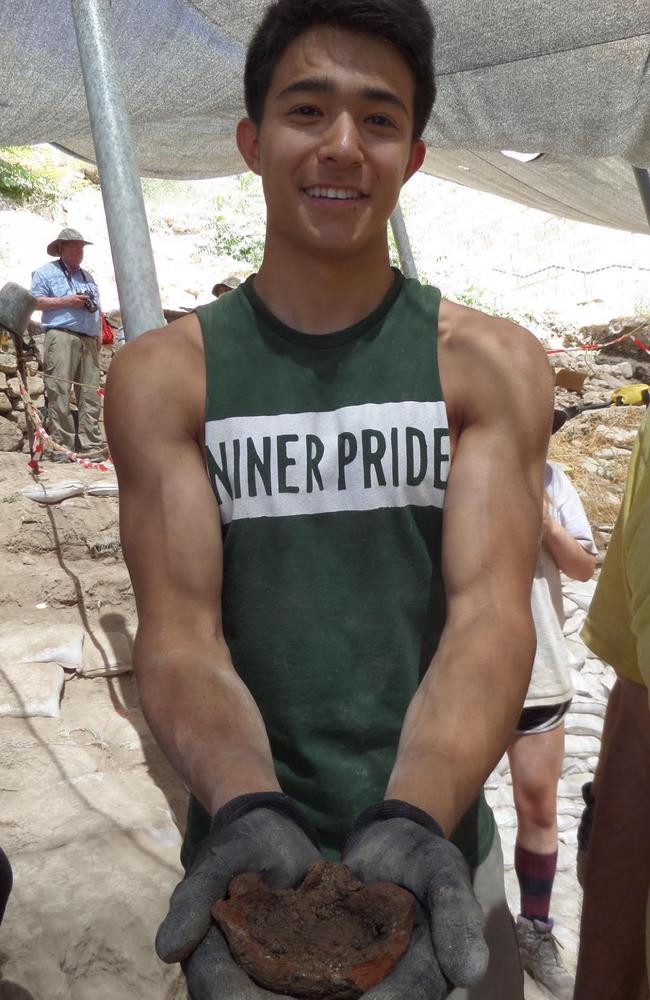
{"type": "Point", "coordinates": [569, 78]}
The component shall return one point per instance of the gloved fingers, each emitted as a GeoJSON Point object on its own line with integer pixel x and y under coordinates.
{"type": "Point", "coordinates": [417, 976]}
{"type": "Point", "coordinates": [188, 919]}
{"type": "Point", "coordinates": [261, 841]}
{"type": "Point", "coordinates": [212, 973]}
{"type": "Point", "coordinates": [457, 922]}
{"type": "Point", "coordinates": [275, 847]}
{"type": "Point", "coordinates": [389, 851]}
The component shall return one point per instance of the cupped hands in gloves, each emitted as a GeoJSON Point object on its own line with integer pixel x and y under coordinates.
{"type": "Point", "coordinates": [396, 842]}
{"type": "Point", "coordinates": [264, 832]}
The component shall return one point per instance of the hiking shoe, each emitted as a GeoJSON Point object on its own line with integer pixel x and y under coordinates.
{"type": "Point", "coordinates": [540, 957]}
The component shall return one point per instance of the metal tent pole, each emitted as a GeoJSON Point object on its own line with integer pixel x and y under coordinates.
{"type": "Point", "coordinates": [643, 181]}
{"type": "Point", "coordinates": [401, 235]}
{"type": "Point", "coordinates": [128, 231]}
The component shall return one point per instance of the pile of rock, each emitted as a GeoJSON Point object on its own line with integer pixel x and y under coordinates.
{"type": "Point", "coordinates": [13, 424]}
{"type": "Point", "coordinates": [624, 363]}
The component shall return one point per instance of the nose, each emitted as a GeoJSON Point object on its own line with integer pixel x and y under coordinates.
{"type": "Point", "coordinates": [341, 143]}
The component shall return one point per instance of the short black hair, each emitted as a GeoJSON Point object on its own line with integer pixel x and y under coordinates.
{"type": "Point", "coordinates": [405, 24]}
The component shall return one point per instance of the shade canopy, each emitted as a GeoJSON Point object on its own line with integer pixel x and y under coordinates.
{"type": "Point", "coordinates": [566, 78]}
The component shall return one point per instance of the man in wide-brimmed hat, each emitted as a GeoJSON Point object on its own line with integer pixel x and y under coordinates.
{"type": "Point", "coordinates": [69, 300]}
{"type": "Point", "coordinates": [228, 284]}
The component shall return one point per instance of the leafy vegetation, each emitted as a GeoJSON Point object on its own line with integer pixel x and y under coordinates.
{"type": "Point", "coordinates": [237, 222]}
{"type": "Point", "coordinates": [27, 179]}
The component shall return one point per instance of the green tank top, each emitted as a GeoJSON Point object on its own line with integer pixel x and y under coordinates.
{"type": "Point", "coordinates": [329, 457]}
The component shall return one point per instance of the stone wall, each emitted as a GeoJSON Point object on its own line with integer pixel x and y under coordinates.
{"type": "Point", "coordinates": [13, 422]}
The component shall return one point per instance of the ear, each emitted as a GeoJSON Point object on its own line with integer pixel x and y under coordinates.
{"type": "Point", "coordinates": [415, 161]}
{"type": "Point", "coordinates": [248, 145]}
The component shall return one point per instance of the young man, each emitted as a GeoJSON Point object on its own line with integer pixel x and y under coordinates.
{"type": "Point", "coordinates": [69, 300]}
{"type": "Point", "coordinates": [307, 627]}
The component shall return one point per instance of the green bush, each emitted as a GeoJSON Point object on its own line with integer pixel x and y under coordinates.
{"type": "Point", "coordinates": [243, 243]}
{"type": "Point", "coordinates": [23, 183]}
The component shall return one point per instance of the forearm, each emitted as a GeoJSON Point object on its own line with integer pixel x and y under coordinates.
{"type": "Point", "coordinates": [569, 555]}
{"type": "Point", "coordinates": [45, 302]}
{"type": "Point", "coordinates": [203, 717]}
{"type": "Point", "coordinates": [463, 715]}
{"type": "Point", "coordinates": [612, 937]}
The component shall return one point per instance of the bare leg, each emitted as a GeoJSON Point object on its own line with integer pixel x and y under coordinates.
{"type": "Point", "coordinates": [536, 765]}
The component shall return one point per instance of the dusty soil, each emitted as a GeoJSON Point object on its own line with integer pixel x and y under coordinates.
{"type": "Point", "coordinates": [332, 938]}
{"type": "Point", "coordinates": [90, 810]}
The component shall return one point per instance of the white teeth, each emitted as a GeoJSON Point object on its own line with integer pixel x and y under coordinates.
{"type": "Point", "coordinates": [337, 194]}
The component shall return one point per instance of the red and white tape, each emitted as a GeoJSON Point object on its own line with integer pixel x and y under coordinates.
{"type": "Point", "coordinates": [599, 347]}
{"type": "Point", "coordinates": [41, 437]}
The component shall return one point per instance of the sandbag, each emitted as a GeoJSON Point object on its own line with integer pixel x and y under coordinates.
{"type": "Point", "coordinates": [30, 689]}
{"type": "Point", "coordinates": [61, 644]}
{"type": "Point", "coordinates": [106, 653]}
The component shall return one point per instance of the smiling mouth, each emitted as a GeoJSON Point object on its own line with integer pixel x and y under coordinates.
{"type": "Point", "coordinates": [334, 194]}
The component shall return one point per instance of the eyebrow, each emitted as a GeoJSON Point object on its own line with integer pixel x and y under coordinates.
{"type": "Point", "coordinates": [321, 85]}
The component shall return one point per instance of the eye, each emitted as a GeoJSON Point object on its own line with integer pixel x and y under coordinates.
{"type": "Point", "coordinates": [381, 120]}
{"type": "Point", "coordinates": [305, 110]}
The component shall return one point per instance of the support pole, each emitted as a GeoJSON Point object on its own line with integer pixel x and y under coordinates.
{"type": "Point", "coordinates": [406, 259]}
{"type": "Point", "coordinates": [128, 231]}
{"type": "Point", "coordinates": [643, 181]}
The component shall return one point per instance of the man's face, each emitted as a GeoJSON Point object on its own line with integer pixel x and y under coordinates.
{"type": "Point", "coordinates": [335, 144]}
{"type": "Point", "coordinates": [72, 254]}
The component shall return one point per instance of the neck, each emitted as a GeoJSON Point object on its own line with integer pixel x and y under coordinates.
{"type": "Point", "coordinates": [321, 295]}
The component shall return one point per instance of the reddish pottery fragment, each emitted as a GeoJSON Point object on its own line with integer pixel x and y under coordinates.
{"type": "Point", "coordinates": [332, 938]}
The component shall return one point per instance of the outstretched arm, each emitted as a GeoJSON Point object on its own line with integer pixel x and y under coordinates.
{"type": "Point", "coordinates": [462, 717]}
{"type": "Point", "coordinates": [199, 710]}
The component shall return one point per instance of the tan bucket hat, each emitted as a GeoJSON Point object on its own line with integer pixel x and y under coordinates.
{"type": "Point", "coordinates": [65, 236]}
{"type": "Point", "coordinates": [230, 282]}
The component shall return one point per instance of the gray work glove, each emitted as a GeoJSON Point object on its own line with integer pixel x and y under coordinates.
{"type": "Point", "coordinates": [264, 832]}
{"type": "Point", "coordinates": [396, 842]}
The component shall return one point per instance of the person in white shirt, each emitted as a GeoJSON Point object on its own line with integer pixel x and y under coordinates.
{"type": "Point", "coordinates": [537, 751]}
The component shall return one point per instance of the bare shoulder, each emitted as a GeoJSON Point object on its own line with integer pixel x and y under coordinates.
{"type": "Point", "coordinates": [489, 364]}
{"type": "Point", "coordinates": [158, 378]}
{"type": "Point", "coordinates": [482, 338]}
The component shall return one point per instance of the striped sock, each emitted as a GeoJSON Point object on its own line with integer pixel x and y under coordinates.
{"type": "Point", "coordinates": [535, 873]}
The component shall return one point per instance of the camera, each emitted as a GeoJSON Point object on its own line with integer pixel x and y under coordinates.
{"type": "Point", "coordinates": [89, 302]}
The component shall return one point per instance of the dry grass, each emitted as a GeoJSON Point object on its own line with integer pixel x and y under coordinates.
{"type": "Point", "coordinates": [580, 439]}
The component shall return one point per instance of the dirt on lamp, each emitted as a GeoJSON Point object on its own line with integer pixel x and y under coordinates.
{"type": "Point", "coordinates": [332, 938]}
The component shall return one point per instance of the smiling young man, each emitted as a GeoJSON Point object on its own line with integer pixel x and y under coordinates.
{"type": "Point", "coordinates": [333, 582]}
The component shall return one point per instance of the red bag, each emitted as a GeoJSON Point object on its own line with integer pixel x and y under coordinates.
{"type": "Point", "coordinates": [108, 334]}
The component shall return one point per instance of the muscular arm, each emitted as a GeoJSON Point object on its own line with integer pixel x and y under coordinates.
{"type": "Point", "coordinates": [612, 934]}
{"type": "Point", "coordinates": [465, 710]}
{"type": "Point", "coordinates": [200, 712]}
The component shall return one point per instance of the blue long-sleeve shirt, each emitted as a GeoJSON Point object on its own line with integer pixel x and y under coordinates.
{"type": "Point", "coordinates": [51, 281]}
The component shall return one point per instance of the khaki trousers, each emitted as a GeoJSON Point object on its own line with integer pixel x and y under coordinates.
{"type": "Point", "coordinates": [72, 356]}
{"type": "Point", "coordinates": [504, 978]}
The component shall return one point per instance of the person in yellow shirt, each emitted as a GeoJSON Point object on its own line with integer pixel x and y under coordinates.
{"type": "Point", "coordinates": [614, 940]}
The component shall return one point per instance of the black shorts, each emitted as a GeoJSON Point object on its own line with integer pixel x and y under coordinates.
{"type": "Point", "coordinates": [542, 718]}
